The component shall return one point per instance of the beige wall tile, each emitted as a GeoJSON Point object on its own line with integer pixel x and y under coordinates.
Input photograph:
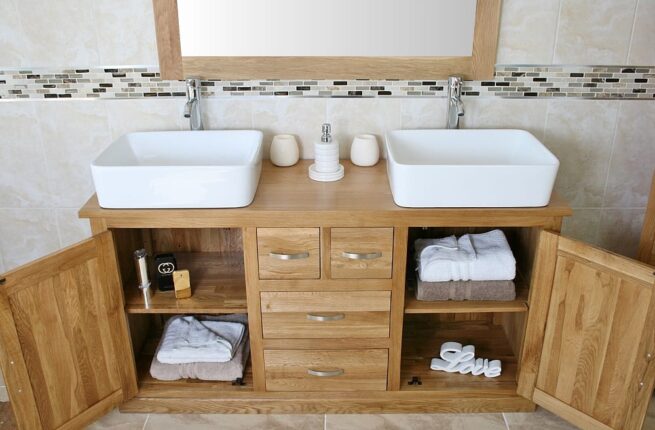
{"type": "Point", "coordinates": [2, 263]}
{"type": "Point", "coordinates": [4, 395]}
{"type": "Point", "coordinates": [527, 31]}
{"type": "Point", "coordinates": [541, 419]}
{"type": "Point", "coordinates": [350, 117]}
{"type": "Point", "coordinates": [59, 33]}
{"type": "Point", "coordinates": [23, 178]}
{"type": "Point", "coordinates": [118, 421]}
{"type": "Point", "coordinates": [620, 230]}
{"type": "Point", "coordinates": [227, 114]}
{"type": "Point", "coordinates": [423, 113]}
{"type": "Point", "coordinates": [416, 422]}
{"type": "Point", "coordinates": [583, 225]}
{"type": "Point", "coordinates": [126, 32]}
{"type": "Point", "coordinates": [642, 48]}
{"type": "Point", "coordinates": [234, 422]}
{"type": "Point", "coordinates": [594, 31]}
{"type": "Point", "coordinates": [72, 229]}
{"type": "Point", "coordinates": [580, 132]}
{"type": "Point", "coordinates": [300, 117]}
{"type": "Point", "coordinates": [633, 156]}
{"type": "Point", "coordinates": [74, 133]}
{"type": "Point", "coordinates": [11, 29]}
{"type": "Point", "coordinates": [506, 113]}
{"type": "Point", "coordinates": [126, 116]}
{"type": "Point", "coordinates": [26, 234]}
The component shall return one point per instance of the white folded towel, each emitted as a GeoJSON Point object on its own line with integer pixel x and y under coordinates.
{"type": "Point", "coordinates": [478, 257]}
{"type": "Point", "coordinates": [449, 257]}
{"type": "Point", "coordinates": [187, 340]}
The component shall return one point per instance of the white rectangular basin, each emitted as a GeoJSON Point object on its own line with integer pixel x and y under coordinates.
{"type": "Point", "coordinates": [469, 168]}
{"type": "Point", "coordinates": [179, 169]}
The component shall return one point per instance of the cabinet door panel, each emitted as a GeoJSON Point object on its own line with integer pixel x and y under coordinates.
{"type": "Point", "coordinates": [596, 366]}
{"type": "Point", "coordinates": [64, 321]}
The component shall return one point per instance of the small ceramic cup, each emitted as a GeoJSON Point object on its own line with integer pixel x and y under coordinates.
{"type": "Point", "coordinates": [365, 151]}
{"type": "Point", "coordinates": [284, 150]}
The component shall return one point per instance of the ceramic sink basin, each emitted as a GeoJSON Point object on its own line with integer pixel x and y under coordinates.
{"type": "Point", "coordinates": [469, 168]}
{"type": "Point", "coordinates": [179, 169]}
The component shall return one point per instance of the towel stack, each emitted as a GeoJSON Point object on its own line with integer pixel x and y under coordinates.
{"type": "Point", "coordinates": [208, 348]}
{"type": "Point", "coordinates": [473, 267]}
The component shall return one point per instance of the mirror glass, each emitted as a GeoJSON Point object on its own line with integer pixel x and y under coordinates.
{"type": "Point", "coordinates": [384, 28]}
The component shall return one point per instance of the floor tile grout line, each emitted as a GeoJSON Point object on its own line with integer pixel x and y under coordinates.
{"type": "Point", "coordinates": [145, 423]}
{"type": "Point", "coordinates": [324, 421]}
{"type": "Point", "coordinates": [505, 421]}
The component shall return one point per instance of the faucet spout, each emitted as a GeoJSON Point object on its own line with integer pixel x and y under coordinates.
{"type": "Point", "coordinates": [192, 108]}
{"type": "Point", "coordinates": [455, 103]}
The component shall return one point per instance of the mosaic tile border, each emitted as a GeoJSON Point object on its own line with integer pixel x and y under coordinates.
{"type": "Point", "coordinates": [510, 81]}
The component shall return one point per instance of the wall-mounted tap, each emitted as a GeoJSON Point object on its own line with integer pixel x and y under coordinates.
{"type": "Point", "coordinates": [192, 108]}
{"type": "Point", "coordinates": [455, 104]}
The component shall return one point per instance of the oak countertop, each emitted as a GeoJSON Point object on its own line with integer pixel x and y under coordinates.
{"type": "Point", "coordinates": [287, 197]}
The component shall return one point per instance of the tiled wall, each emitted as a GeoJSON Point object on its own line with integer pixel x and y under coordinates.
{"type": "Point", "coordinates": [607, 147]}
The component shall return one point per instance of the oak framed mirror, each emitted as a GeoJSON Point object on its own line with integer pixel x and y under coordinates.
{"type": "Point", "coordinates": [345, 39]}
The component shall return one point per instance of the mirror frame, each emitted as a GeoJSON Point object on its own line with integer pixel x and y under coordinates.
{"type": "Point", "coordinates": [479, 66]}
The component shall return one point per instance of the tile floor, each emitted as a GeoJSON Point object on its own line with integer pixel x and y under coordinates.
{"type": "Point", "coordinates": [539, 420]}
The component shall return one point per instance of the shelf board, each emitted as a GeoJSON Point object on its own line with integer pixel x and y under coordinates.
{"type": "Point", "coordinates": [217, 281]}
{"type": "Point", "coordinates": [414, 306]}
{"type": "Point", "coordinates": [151, 387]}
{"type": "Point", "coordinates": [422, 341]}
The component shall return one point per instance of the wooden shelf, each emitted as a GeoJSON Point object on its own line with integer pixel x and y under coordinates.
{"type": "Point", "coordinates": [422, 340]}
{"type": "Point", "coordinates": [218, 284]}
{"type": "Point", "coordinates": [151, 387]}
{"type": "Point", "coordinates": [414, 306]}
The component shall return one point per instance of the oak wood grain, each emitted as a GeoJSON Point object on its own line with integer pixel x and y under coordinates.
{"type": "Point", "coordinates": [599, 336]}
{"type": "Point", "coordinates": [363, 370]}
{"type": "Point", "coordinates": [361, 241]}
{"type": "Point", "coordinates": [66, 313]}
{"type": "Point", "coordinates": [289, 241]}
{"type": "Point", "coordinates": [293, 325]}
{"type": "Point", "coordinates": [321, 301]}
{"type": "Point", "coordinates": [169, 48]}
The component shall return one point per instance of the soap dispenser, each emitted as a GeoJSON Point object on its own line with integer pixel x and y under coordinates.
{"type": "Point", "coordinates": [326, 167]}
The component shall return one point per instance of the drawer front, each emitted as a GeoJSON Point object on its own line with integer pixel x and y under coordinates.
{"type": "Point", "coordinates": [361, 253]}
{"type": "Point", "coordinates": [325, 325]}
{"type": "Point", "coordinates": [323, 301]}
{"type": "Point", "coordinates": [288, 253]}
{"type": "Point", "coordinates": [326, 370]}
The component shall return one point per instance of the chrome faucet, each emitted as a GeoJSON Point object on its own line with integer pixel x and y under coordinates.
{"type": "Point", "coordinates": [455, 104]}
{"type": "Point", "coordinates": [192, 108]}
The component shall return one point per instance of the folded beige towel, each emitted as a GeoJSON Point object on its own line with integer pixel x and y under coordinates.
{"type": "Point", "coordinates": [466, 290]}
{"type": "Point", "coordinates": [226, 371]}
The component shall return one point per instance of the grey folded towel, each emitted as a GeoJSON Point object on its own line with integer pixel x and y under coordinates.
{"type": "Point", "coordinates": [466, 290]}
{"type": "Point", "coordinates": [227, 371]}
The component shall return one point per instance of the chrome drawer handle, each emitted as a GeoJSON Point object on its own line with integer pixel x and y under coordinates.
{"type": "Point", "coordinates": [333, 317]}
{"type": "Point", "coordinates": [282, 256]}
{"type": "Point", "coordinates": [325, 373]}
{"type": "Point", "coordinates": [361, 255]}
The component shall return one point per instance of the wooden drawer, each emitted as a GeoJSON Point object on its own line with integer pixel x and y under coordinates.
{"type": "Point", "coordinates": [288, 253]}
{"type": "Point", "coordinates": [326, 370]}
{"type": "Point", "coordinates": [320, 314]}
{"type": "Point", "coordinates": [361, 253]}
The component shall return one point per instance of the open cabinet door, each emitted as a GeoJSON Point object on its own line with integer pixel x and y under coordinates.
{"type": "Point", "coordinates": [64, 344]}
{"type": "Point", "coordinates": [596, 367]}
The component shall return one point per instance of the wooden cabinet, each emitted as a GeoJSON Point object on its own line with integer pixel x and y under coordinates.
{"type": "Point", "coordinates": [328, 333]}
{"type": "Point", "coordinates": [597, 365]}
{"type": "Point", "coordinates": [66, 352]}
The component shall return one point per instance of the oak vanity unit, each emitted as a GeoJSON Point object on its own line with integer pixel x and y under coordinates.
{"type": "Point", "coordinates": [324, 272]}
